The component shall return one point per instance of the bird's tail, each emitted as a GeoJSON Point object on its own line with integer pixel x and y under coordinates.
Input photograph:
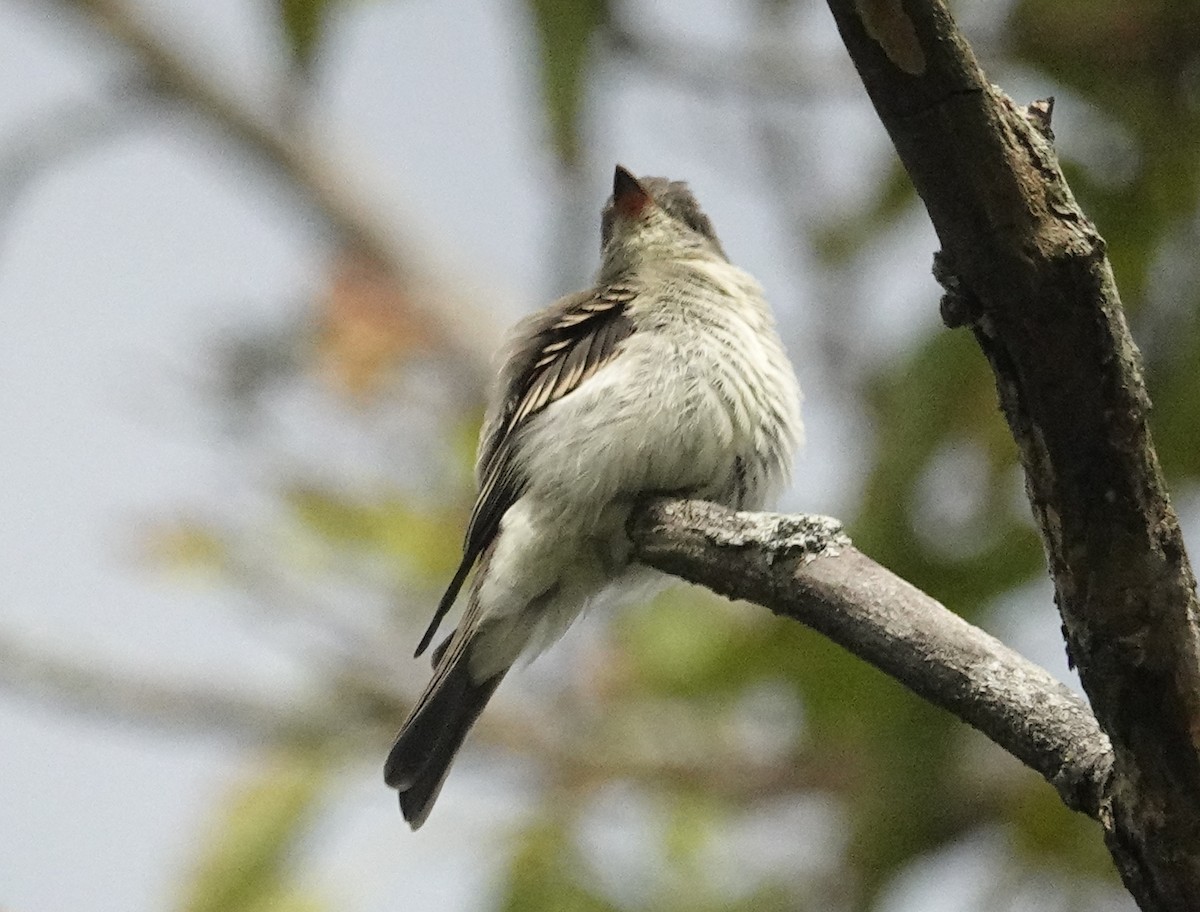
{"type": "Point", "coordinates": [422, 753]}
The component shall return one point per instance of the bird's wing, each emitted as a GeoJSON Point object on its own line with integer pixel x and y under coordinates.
{"type": "Point", "coordinates": [555, 352]}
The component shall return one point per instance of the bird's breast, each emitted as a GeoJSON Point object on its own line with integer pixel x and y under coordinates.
{"type": "Point", "coordinates": [700, 400]}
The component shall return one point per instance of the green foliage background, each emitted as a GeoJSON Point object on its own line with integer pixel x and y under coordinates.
{"type": "Point", "coordinates": [905, 780]}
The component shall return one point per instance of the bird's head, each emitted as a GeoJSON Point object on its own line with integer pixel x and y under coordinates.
{"type": "Point", "coordinates": [653, 217]}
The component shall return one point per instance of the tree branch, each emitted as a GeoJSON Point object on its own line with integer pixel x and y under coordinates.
{"type": "Point", "coordinates": [804, 568]}
{"type": "Point", "coordinates": [332, 189]}
{"type": "Point", "coordinates": [50, 137]}
{"type": "Point", "coordinates": [1026, 270]}
{"type": "Point", "coordinates": [363, 705]}
{"type": "Point", "coordinates": [91, 687]}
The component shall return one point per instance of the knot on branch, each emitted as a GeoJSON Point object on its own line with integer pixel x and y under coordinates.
{"type": "Point", "coordinates": [1039, 114]}
{"type": "Point", "coordinates": [959, 307]}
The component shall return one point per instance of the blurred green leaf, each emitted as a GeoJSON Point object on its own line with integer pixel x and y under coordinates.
{"type": "Point", "coordinates": [544, 874]}
{"type": "Point", "coordinates": [687, 642]}
{"type": "Point", "coordinates": [843, 237]}
{"type": "Point", "coordinates": [565, 31]}
{"type": "Point", "coordinates": [689, 830]}
{"type": "Point", "coordinates": [1047, 835]}
{"type": "Point", "coordinates": [426, 541]}
{"type": "Point", "coordinates": [303, 22]}
{"type": "Point", "coordinates": [185, 545]}
{"type": "Point", "coordinates": [247, 864]}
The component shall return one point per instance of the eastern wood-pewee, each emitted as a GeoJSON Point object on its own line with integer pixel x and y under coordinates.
{"type": "Point", "coordinates": [667, 376]}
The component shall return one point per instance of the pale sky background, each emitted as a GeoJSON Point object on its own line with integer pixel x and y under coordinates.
{"type": "Point", "coordinates": [121, 265]}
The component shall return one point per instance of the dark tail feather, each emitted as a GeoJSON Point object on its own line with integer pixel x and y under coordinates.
{"type": "Point", "coordinates": [422, 753]}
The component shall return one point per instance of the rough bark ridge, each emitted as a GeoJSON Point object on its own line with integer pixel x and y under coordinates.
{"type": "Point", "coordinates": [1026, 270]}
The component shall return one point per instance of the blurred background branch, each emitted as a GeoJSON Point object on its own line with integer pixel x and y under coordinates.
{"type": "Point", "coordinates": [449, 316]}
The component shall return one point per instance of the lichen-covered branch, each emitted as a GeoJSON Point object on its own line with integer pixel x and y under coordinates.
{"type": "Point", "coordinates": [804, 568]}
{"type": "Point", "coordinates": [1027, 272]}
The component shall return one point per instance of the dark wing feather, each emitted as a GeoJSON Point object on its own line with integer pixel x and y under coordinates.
{"type": "Point", "coordinates": [566, 346]}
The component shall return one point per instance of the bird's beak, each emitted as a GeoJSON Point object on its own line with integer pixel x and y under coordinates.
{"type": "Point", "coordinates": [629, 197]}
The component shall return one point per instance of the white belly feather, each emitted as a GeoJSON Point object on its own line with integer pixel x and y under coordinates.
{"type": "Point", "coordinates": [712, 413]}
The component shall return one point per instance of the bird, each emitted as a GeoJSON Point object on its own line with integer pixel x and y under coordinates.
{"type": "Point", "coordinates": [667, 376]}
